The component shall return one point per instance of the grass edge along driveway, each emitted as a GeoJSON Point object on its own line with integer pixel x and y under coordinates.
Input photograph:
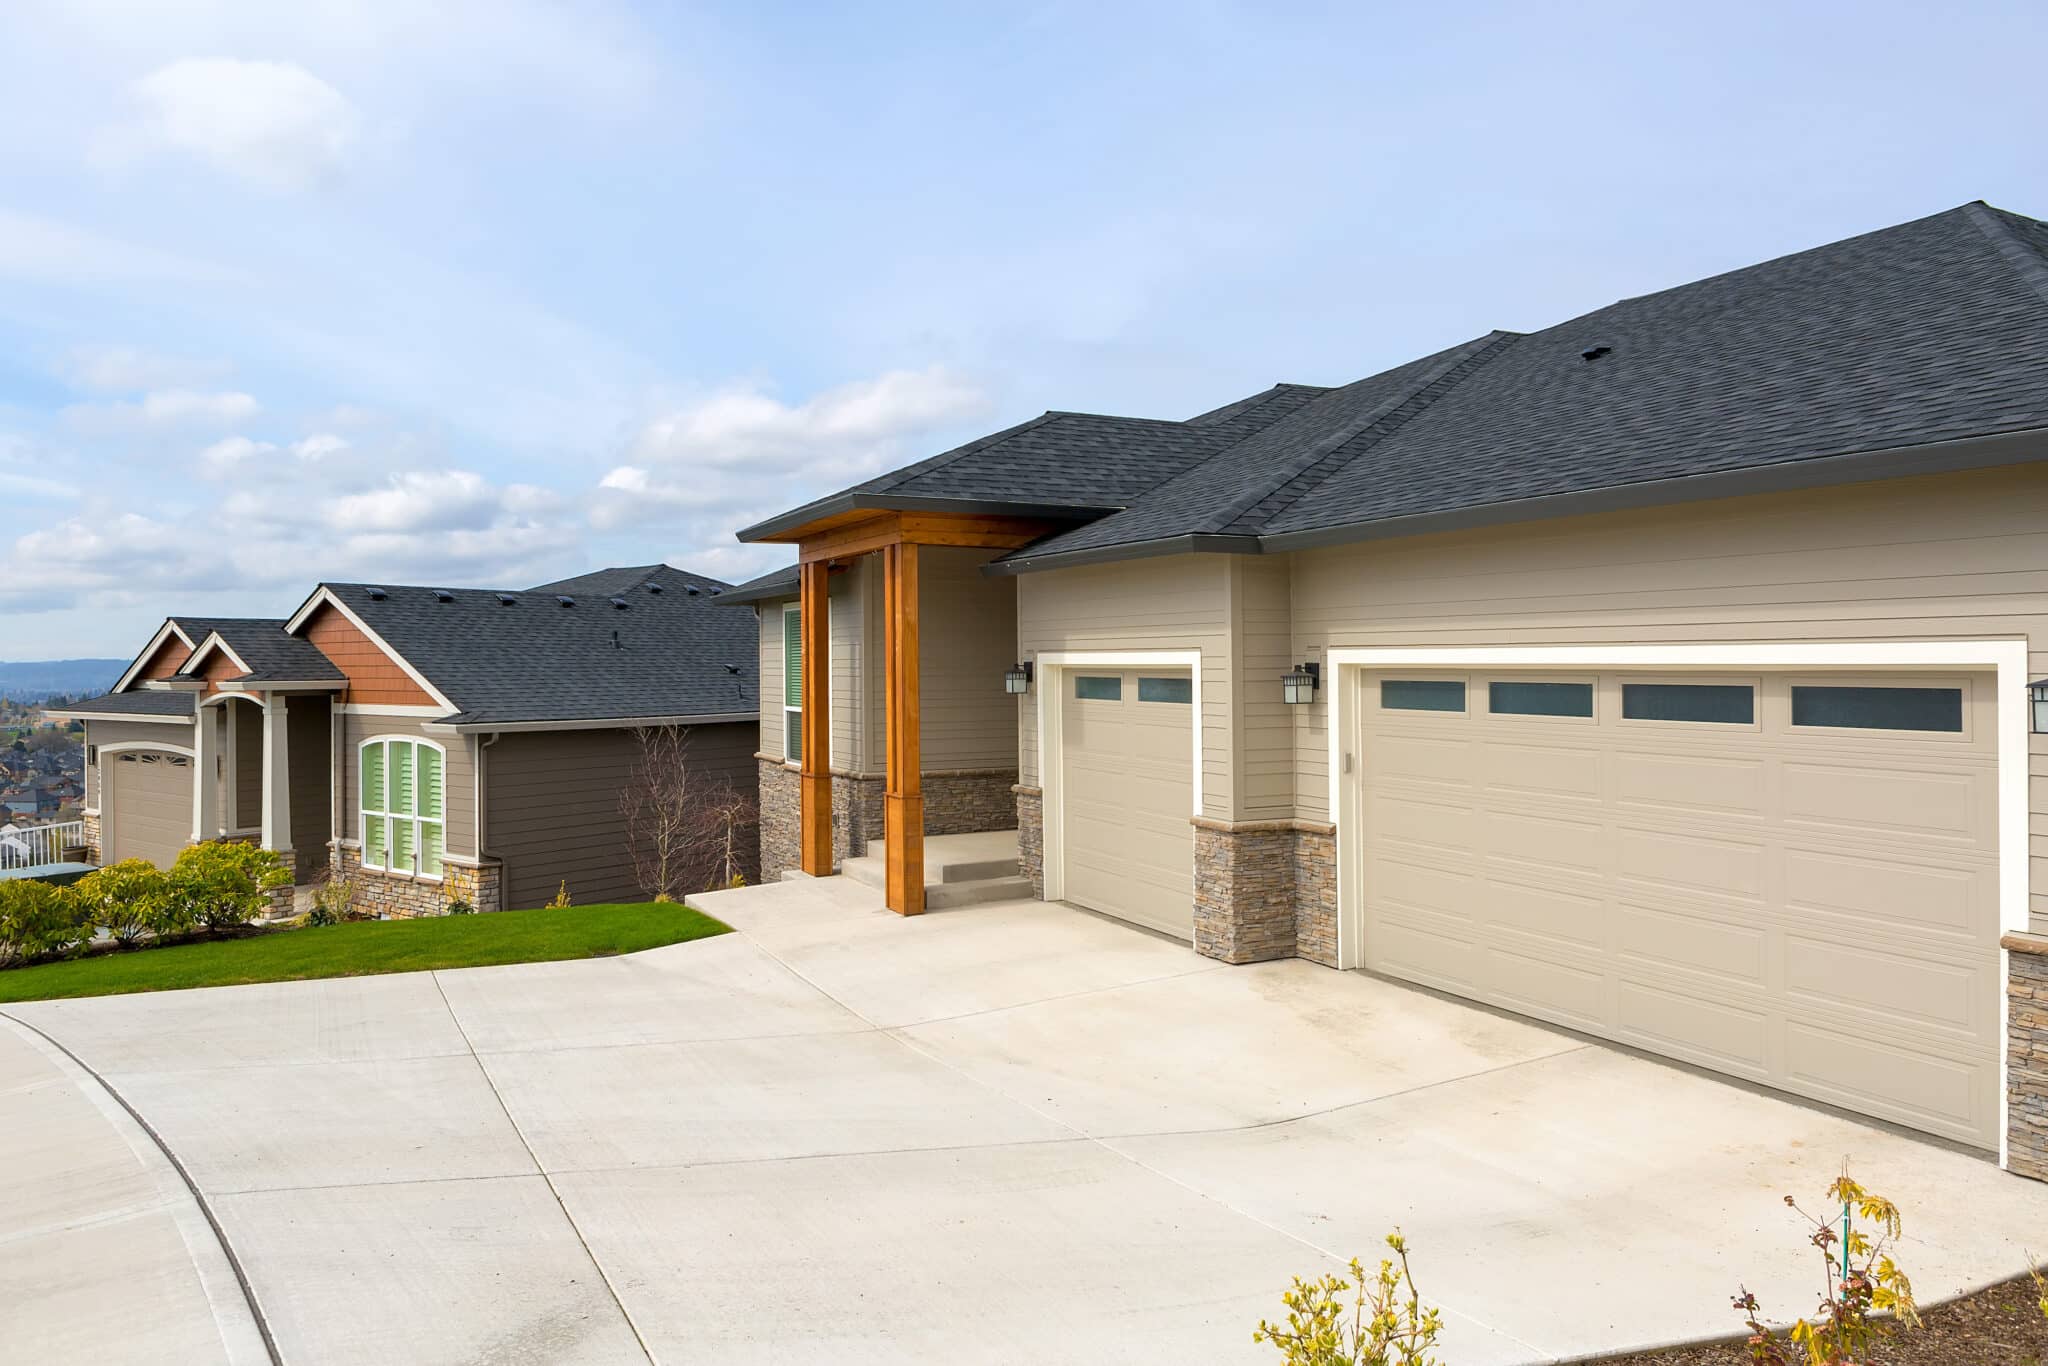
{"type": "Point", "coordinates": [367, 947]}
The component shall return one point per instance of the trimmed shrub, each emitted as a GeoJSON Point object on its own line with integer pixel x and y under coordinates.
{"type": "Point", "coordinates": [458, 906]}
{"type": "Point", "coordinates": [130, 900]}
{"type": "Point", "coordinates": [334, 902]}
{"type": "Point", "coordinates": [40, 919]}
{"type": "Point", "coordinates": [226, 884]}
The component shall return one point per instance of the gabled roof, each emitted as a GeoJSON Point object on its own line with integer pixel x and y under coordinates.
{"type": "Point", "coordinates": [1918, 347]}
{"type": "Point", "coordinates": [643, 644]}
{"type": "Point", "coordinates": [264, 651]}
{"type": "Point", "coordinates": [777, 583]}
{"type": "Point", "coordinates": [142, 705]}
{"type": "Point", "coordinates": [186, 631]}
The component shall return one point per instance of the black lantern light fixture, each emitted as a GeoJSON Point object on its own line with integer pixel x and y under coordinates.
{"type": "Point", "coordinates": [2038, 690]}
{"type": "Point", "coordinates": [1298, 685]}
{"type": "Point", "coordinates": [1017, 679]}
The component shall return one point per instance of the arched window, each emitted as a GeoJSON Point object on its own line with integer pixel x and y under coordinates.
{"type": "Point", "coordinates": [401, 795]}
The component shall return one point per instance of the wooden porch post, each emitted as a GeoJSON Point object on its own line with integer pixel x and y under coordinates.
{"type": "Point", "coordinates": [903, 793]}
{"type": "Point", "coordinates": [816, 780]}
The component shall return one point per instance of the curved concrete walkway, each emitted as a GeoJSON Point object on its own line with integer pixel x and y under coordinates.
{"type": "Point", "coordinates": [1012, 1132]}
{"type": "Point", "coordinates": [105, 1254]}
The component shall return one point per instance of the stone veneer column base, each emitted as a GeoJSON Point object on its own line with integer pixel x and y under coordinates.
{"type": "Point", "coordinates": [1265, 890]}
{"type": "Point", "coordinates": [1031, 837]}
{"type": "Point", "coordinates": [856, 814]}
{"type": "Point", "coordinates": [283, 901]}
{"type": "Point", "coordinates": [2027, 1056]}
{"type": "Point", "coordinates": [89, 835]}
{"type": "Point", "coordinates": [781, 803]}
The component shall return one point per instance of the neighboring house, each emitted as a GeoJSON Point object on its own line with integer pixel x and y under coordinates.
{"type": "Point", "coordinates": [1662, 674]}
{"type": "Point", "coordinates": [432, 743]}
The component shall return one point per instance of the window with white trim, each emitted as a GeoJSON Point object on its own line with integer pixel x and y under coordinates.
{"type": "Point", "coordinates": [793, 684]}
{"type": "Point", "coordinates": [401, 803]}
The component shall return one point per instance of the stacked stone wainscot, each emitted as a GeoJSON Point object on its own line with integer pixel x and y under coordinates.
{"type": "Point", "coordinates": [1265, 890]}
{"type": "Point", "coordinates": [399, 897]}
{"type": "Point", "coordinates": [2027, 1055]}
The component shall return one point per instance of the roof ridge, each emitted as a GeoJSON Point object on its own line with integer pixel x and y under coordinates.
{"type": "Point", "coordinates": [945, 458]}
{"type": "Point", "coordinates": [1429, 384]}
{"type": "Point", "coordinates": [2024, 259]}
{"type": "Point", "coordinates": [1391, 418]}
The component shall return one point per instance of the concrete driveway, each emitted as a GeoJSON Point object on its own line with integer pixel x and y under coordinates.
{"type": "Point", "coordinates": [1012, 1132]}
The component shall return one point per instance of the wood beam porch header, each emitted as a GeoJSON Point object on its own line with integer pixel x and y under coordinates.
{"type": "Point", "coordinates": [882, 530]}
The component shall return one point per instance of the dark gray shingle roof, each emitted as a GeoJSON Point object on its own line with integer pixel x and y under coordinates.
{"type": "Point", "coordinates": [1932, 331]}
{"type": "Point", "coordinates": [778, 583]}
{"type": "Point", "coordinates": [534, 660]}
{"type": "Point", "coordinates": [143, 702]}
{"type": "Point", "coordinates": [271, 654]}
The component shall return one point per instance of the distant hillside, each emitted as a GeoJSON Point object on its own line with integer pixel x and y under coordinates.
{"type": "Point", "coordinates": [34, 679]}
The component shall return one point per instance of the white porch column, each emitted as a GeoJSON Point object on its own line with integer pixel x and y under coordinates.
{"type": "Point", "coordinates": [205, 773]}
{"type": "Point", "coordinates": [277, 786]}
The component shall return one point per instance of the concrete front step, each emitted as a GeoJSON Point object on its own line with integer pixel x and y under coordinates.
{"type": "Point", "coordinates": [997, 881]}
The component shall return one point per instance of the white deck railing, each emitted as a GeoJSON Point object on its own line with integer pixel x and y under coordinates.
{"type": "Point", "coordinates": [25, 846]}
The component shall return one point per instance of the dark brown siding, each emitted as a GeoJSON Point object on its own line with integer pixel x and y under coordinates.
{"type": "Point", "coordinates": [247, 719]}
{"type": "Point", "coordinates": [551, 806]}
{"type": "Point", "coordinates": [374, 678]}
{"type": "Point", "coordinates": [311, 754]}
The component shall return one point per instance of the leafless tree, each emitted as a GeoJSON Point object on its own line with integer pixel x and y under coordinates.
{"type": "Point", "coordinates": [687, 830]}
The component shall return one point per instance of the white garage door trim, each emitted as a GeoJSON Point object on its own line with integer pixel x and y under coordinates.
{"type": "Point", "coordinates": [2008, 657]}
{"type": "Point", "coordinates": [1049, 682]}
{"type": "Point", "coordinates": [109, 819]}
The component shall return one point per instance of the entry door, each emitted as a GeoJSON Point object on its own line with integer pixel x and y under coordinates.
{"type": "Point", "coordinates": [1792, 879]}
{"type": "Point", "coordinates": [1127, 791]}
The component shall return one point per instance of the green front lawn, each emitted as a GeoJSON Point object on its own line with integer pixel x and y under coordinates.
{"type": "Point", "coordinates": [363, 947]}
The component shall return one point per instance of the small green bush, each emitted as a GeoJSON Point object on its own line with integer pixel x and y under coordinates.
{"type": "Point", "coordinates": [132, 900]}
{"type": "Point", "coordinates": [40, 920]}
{"type": "Point", "coordinates": [457, 906]}
{"type": "Point", "coordinates": [1862, 1283]}
{"type": "Point", "coordinates": [227, 883]}
{"type": "Point", "coordinates": [334, 902]}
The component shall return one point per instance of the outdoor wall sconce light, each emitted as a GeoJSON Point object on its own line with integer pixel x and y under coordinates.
{"type": "Point", "coordinates": [1017, 679]}
{"type": "Point", "coordinates": [1298, 685]}
{"type": "Point", "coordinates": [2038, 690]}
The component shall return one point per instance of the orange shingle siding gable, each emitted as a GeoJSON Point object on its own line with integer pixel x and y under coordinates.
{"type": "Point", "coordinates": [374, 678]}
{"type": "Point", "coordinates": [164, 662]}
{"type": "Point", "coordinates": [219, 668]}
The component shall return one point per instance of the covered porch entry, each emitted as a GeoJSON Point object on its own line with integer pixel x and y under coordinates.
{"type": "Point", "coordinates": [912, 671]}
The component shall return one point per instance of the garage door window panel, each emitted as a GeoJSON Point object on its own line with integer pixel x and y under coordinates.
{"type": "Point", "coordinates": [1099, 687]}
{"type": "Point", "coordinates": [1557, 699]}
{"type": "Point", "coordinates": [1897, 710]}
{"type": "Point", "coordinates": [1423, 694]}
{"type": "Point", "coordinates": [1168, 690]}
{"type": "Point", "coordinates": [1690, 703]}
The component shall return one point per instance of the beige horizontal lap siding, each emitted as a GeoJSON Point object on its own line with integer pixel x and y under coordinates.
{"type": "Point", "coordinates": [771, 678]}
{"type": "Point", "coordinates": [967, 636]}
{"type": "Point", "coordinates": [551, 803]}
{"type": "Point", "coordinates": [458, 777]}
{"type": "Point", "coordinates": [1262, 730]}
{"type": "Point", "coordinates": [99, 734]}
{"type": "Point", "coordinates": [1180, 602]}
{"type": "Point", "coordinates": [1961, 556]}
{"type": "Point", "coordinates": [851, 664]}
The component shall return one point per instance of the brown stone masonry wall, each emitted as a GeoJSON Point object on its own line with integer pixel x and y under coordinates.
{"type": "Point", "coordinates": [781, 819]}
{"type": "Point", "coordinates": [2027, 1056]}
{"type": "Point", "coordinates": [397, 897]}
{"type": "Point", "coordinates": [968, 801]}
{"type": "Point", "coordinates": [856, 815]}
{"type": "Point", "coordinates": [1031, 838]}
{"type": "Point", "coordinates": [90, 836]}
{"type": "Point", "coordinates": [1265, 890]}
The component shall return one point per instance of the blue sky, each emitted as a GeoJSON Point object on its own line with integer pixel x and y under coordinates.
{"type": "Point", "coordinates": [484, 293]}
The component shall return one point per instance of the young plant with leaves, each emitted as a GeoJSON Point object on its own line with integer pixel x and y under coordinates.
{"type": "Point", "coordinates": [1861, 1285]}
{"type": "Point", "coordinates": [131, 900]}
{"type": "Point", "coordinates": [39, 920]}
{"type": "Point", "coordinates": [226, 883]}
{"type": "Point", "coordinates": [1374, 1320]}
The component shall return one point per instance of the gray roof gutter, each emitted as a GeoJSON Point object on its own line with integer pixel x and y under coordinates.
{"type": "Point", "coordinates": [856, 501]}
{"type": "Point", "coordinates": [1193, 543]}
{"type": "Point", "coordinates": [458, 726]}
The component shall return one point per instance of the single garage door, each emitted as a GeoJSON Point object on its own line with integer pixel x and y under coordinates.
{"type": "Point", "coordinates": [150, 795]}
{"type": "Point", "coordinates": [1127, 790]}
{"type": "Point", "coordinates": [1789, 879]}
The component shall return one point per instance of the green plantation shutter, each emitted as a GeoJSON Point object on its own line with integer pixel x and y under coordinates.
{"type": "Point", "coordinates": [373, 841]}
{"type": "Point", "coordinates": [373, 777]}
{"type": "Point", "coordinates": [430, 810]}
{"type": "Point", "coordinates": [792, 657]}
{"type": "Point", "coordinates": [402, 842]}
{"type": "Point", "coordinates": [404, 788]}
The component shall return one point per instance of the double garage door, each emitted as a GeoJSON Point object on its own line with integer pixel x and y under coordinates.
{"type": "Point", "coordinates": [1788, 879]}
{"type": "Point", "coordinates": [149, 794]}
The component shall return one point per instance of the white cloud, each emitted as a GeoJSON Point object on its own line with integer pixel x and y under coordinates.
{"type": "Point", "coordinates": [48, 251]}
{"type": "Point", "coordinates": [28, 471]}
{"type": "Point", "coordinates": [708, 458]}
{"type": "Point", "coordinates": [273, 123]}
{"type": "Point", "coordinates": [241, 456]}
{"type": "Point", "coordinates": [164, 409]}
{"type": "Point", "coordinates": [439, 500]}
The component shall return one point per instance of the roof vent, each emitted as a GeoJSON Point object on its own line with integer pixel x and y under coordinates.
{"type": "Point", "coordinates": [443, 595]}
{"type": "Point", "coordinates": [565, 600]}
{"type": "Point", "coordinates": [716, 591]}
{"type": "Point", "coordinates": [506, 600]}
{"type": "Point", "coordinates": [1596, 352]}
{"type": "Point", "coordinates": [620, 604]}
{"type": "Point", "coordinates": [652, 587]}
{"type": "Point", "coordinates": [732, 668]}
{"type": "Point", "coordinates": [375, 594]}
{"type": "Point", "coordinates": [691, 591]}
